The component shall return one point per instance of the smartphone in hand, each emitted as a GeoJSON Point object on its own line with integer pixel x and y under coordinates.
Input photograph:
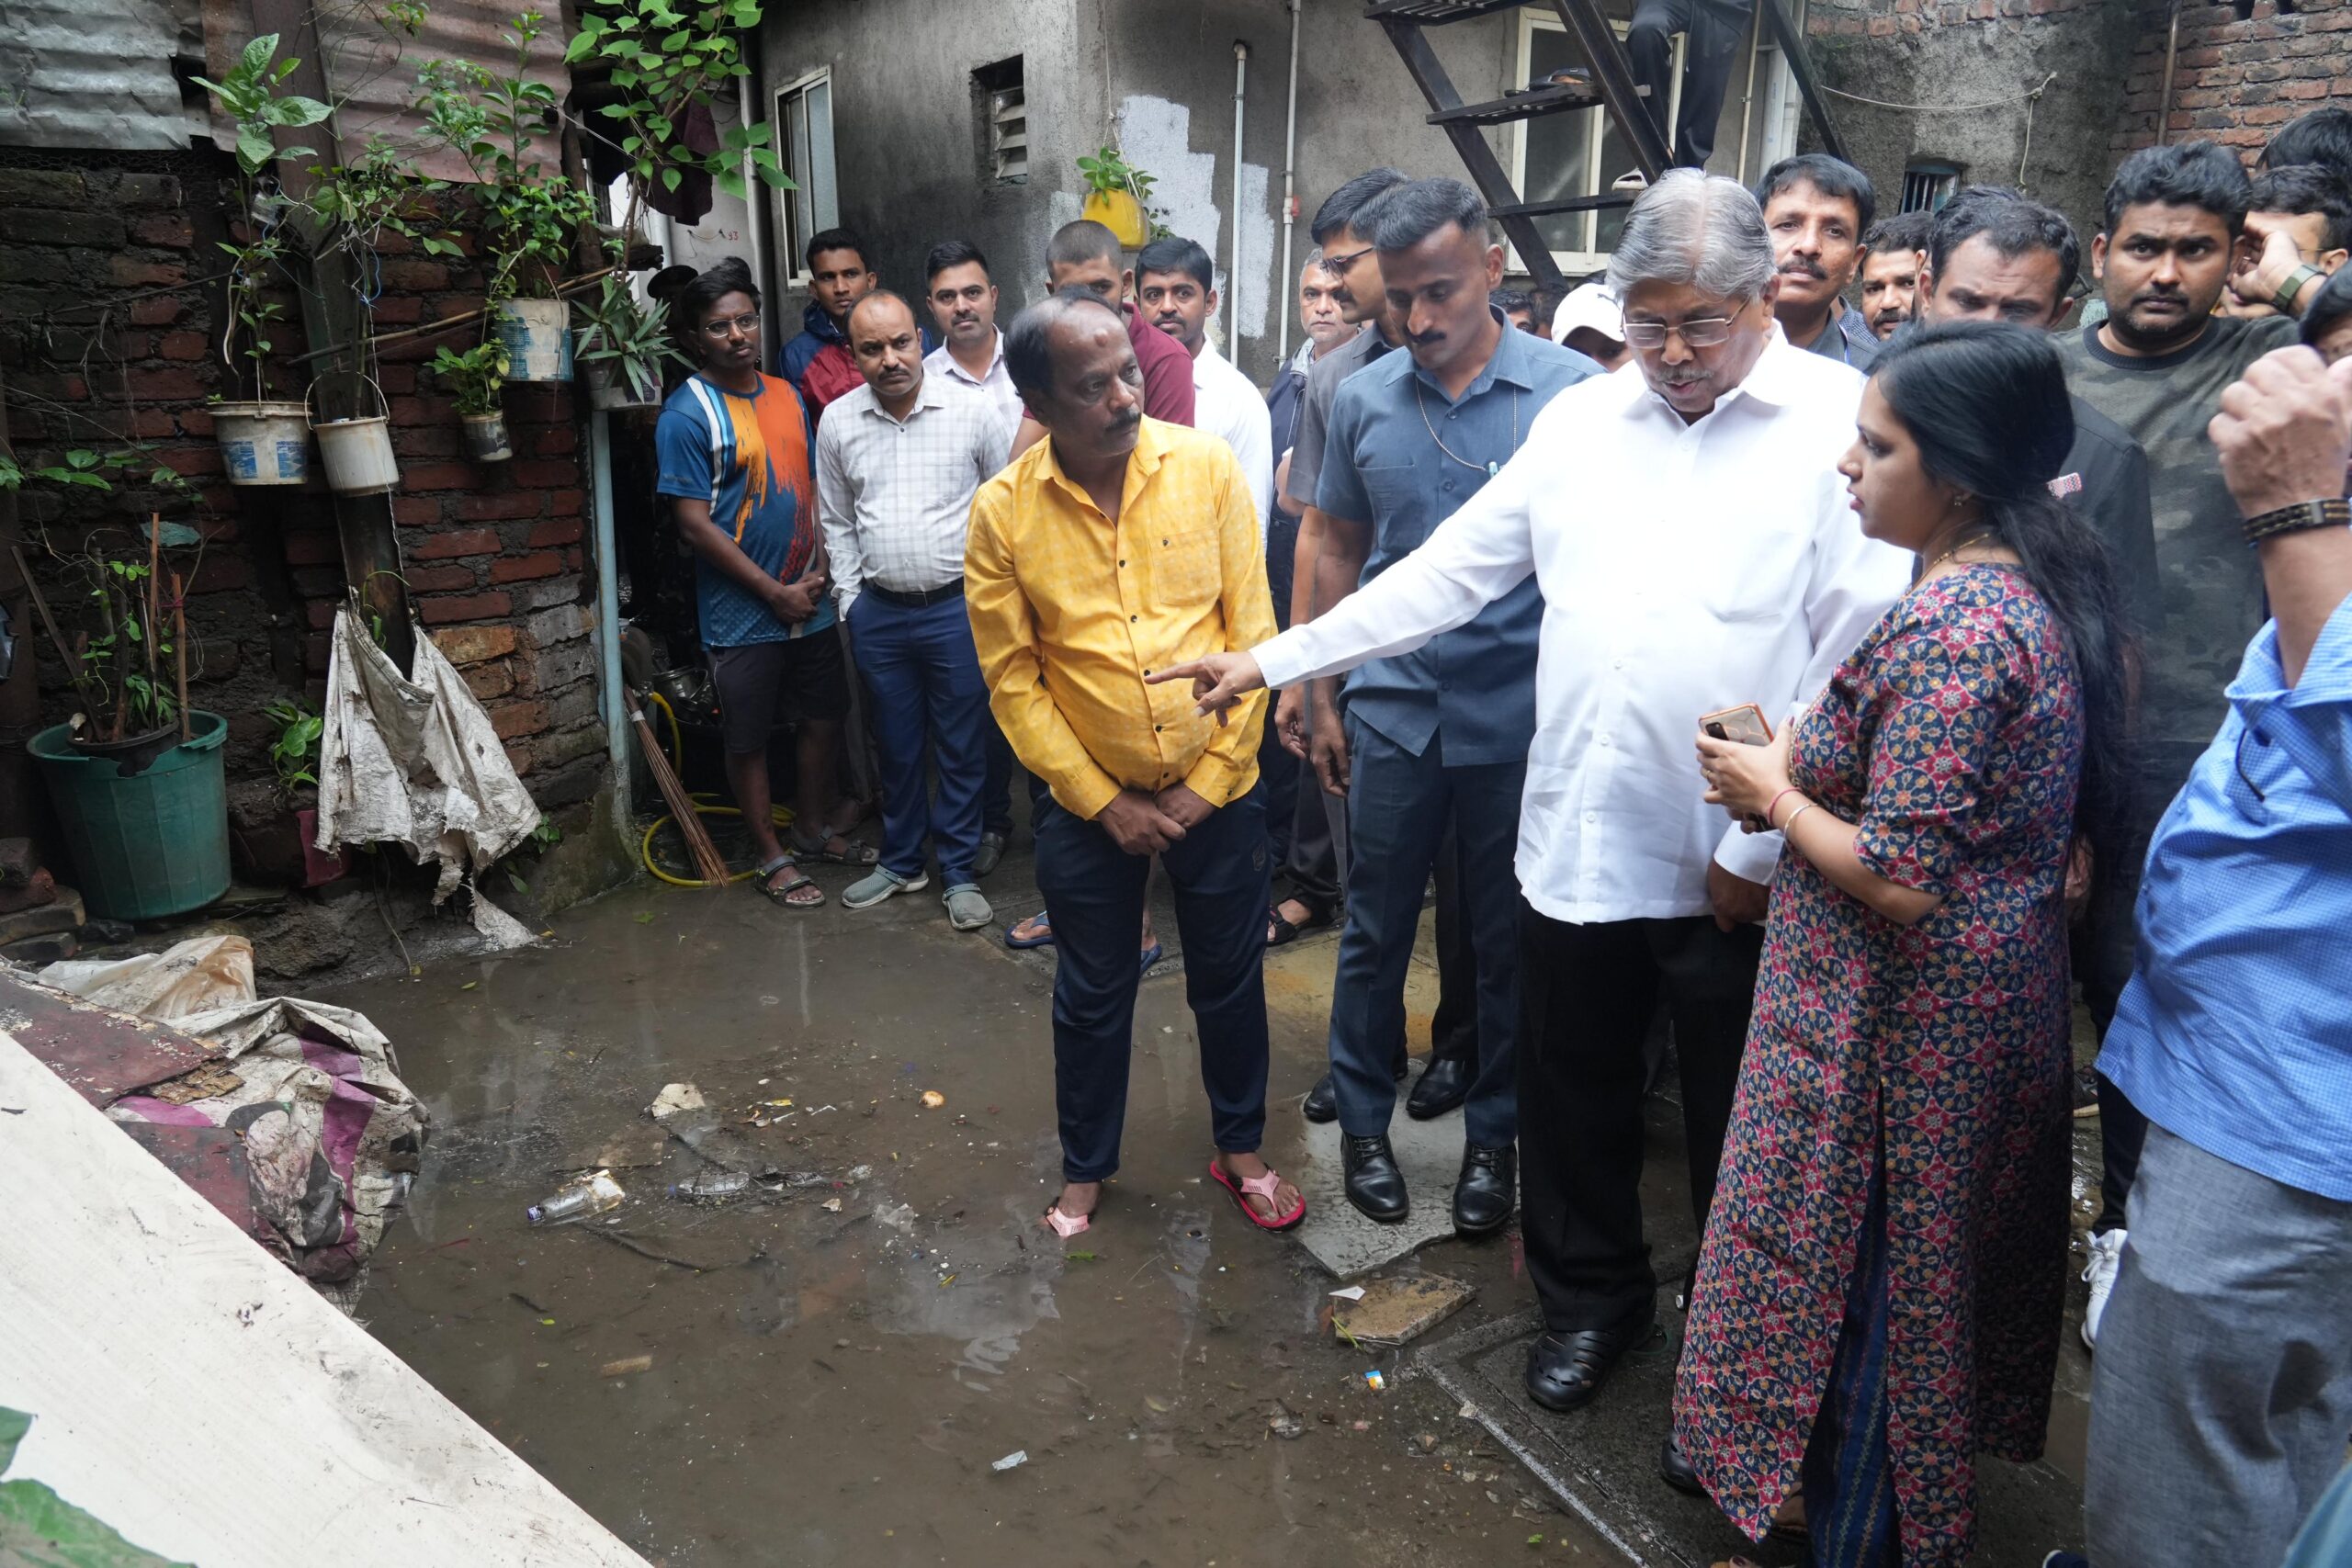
{"type": "Point", "coordinates": [1745, 724]}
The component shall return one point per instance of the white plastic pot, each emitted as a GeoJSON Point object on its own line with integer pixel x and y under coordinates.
{"type": "Point", "coordinates": [486, 437]}
{"type": "Point", "coordinates": [537, 336]}
{"type": "Point", "coordinates": [610, 386]}
{"type": "Point", "coordinates": [357, 451]}
{"type": "Point", "coordinates": [263, 442]}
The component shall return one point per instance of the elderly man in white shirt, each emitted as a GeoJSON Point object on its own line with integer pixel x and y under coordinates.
{"type": "Point", "coordinates": [897, 463]}
{"type": "Point", "coordinates": [1175, 289]}
{"type": "Point", "coordinates": [963, 301]}
{"type": "Point", "coordinates": [1696, 551]}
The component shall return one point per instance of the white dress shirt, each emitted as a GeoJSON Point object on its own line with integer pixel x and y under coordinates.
{"type": "Point", "coordinates": [1684, 569]}
{"type": "Point", "coordinates": [895, 497]}
{"type": "Point", "coordinates": [1226, 403]}
{"type": "Point", "coordinates": [997, 384]}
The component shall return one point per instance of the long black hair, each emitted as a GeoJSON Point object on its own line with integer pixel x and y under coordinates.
{"type": "Point", "coordinates": [1987, 404]}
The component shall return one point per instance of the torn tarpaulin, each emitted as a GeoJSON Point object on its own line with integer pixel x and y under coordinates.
{"type": "Point", "coordinates": [416, 762]}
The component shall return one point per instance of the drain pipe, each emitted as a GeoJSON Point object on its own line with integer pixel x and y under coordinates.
{"type": "Point", "coordinates": [2163, 97]}
{"type": "Point", "coordinates": [1233, 268]}
{"type": "Point", "coordinates": [608, 615]}
{"type": "Point", "coordinates": [1290, 199]}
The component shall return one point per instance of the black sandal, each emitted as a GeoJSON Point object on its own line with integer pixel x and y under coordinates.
{"type": "Point", "coordinates": [1317, 917]}
{"type": "Point", "coordinates": [783, 896]}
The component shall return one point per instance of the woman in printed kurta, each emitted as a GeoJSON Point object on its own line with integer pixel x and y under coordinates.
{"type": "Point", "coordinates": [1879, 1292]}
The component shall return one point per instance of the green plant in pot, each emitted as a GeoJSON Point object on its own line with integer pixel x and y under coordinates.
{"type": "Point", "coordinates": [296, 732]}
{"type": "Point", "coordinates": [473, 377]}
{"type": "Point", "coordinates": [623, 346]}
{"type": "Point", "coordinates": [262, 439]}
{"type": "Point", "coordinates": [135, 776]}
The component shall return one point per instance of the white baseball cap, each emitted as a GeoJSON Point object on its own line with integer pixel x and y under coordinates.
{"type": "Point", "coordinates": [1591, 305]}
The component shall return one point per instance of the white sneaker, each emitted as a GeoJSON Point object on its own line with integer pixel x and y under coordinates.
{"type": "Point", "coordinates": [2106, 1256]}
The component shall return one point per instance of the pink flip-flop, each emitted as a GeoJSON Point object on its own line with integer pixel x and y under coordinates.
{"type": "Point", "coordinates": [1063, 1226]}
{"type": "Point", "coordinates": [1258, 1186]}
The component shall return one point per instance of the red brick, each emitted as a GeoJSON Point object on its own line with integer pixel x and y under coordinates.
{"type": "Point", "coordinates": [166, 383]}
{"type": "Point", "coordinates": [416, 510]}
{"type": "Point", "coordinates": [171, 229]}
{"type": "Point", "coordinates": [321, 613]}
{"type": "Point", "coordinates": [156, 310]}
{"type": "Point", "coordinates": [469, 645]}
{"type": "Point", "coordinates": [183, 345]}
{"type": "Point", "coordinates": [396, 379]}
{"type": "Point", "coordinates": [410, 275]}
{"type": "Point", "coordinates": [2303, 89]}
{"type": "Point", "coordinates": [220, 572]}
{"type": "Point", "coordinates": [513, 719]}
{"type": "Point", "coordinates": [555, 531]}
{"type": "Point", "coordinates": [439, 579]}
{"type": "Point", "coordinates": [496, 505]}
{"type": "Point", "coordinates": [399, 310]}
{"type": "Point", "coordinates": [314, 550]}
{"type": "Point", "coordinates": [457, 542]}
{"type": "Point", "coordinates": [524, 569]}
{"type": "Point", "coordinates": [544, 473]}
{"type": "Point", "coordinates": [567, 503]}
{"type": "Point", "coordinates": [557, 440]}
{"type": "Point", "coordinates": [441, 476]}
{"type": "Point", "coordinates": [129, 271]}
{"type": "Point", "coordinates": [445, 608]}
{"type": "Point", "coordinates": [488, 680]}
{"type": "Point", "coordinates": [315, 654]}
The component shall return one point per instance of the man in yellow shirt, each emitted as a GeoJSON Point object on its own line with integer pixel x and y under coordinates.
{"type": "Point", "coordinates": [1117, 547]}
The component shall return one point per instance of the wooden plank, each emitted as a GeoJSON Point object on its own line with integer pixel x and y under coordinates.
{"type": "Point", "coordinates": [180, 1380]}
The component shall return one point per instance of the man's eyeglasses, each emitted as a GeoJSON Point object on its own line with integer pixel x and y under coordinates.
{"type": "Point", "coordinates": [1338, 265]}
{"type": "Point", "coordinates": [1706, 333]}
{"type": "Point", "coordinates": [747, 325]}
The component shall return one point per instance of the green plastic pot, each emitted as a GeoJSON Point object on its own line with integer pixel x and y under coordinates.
{"type": "Point", "coordinates": [148, 843]}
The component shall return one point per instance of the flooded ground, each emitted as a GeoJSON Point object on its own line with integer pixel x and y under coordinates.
{"type": "Point", "coordinates": [831, 1374]}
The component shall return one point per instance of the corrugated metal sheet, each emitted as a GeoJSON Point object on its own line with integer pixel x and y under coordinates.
{"type": "Point", "coordinates": [97, 72]}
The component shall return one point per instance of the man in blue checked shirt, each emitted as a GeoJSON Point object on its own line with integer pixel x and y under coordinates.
{"type": "Point", "coordinates": [2223, 1397]}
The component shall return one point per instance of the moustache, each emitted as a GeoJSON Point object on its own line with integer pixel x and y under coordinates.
{"type": "Point", "coordinates": [1424, 339]}
{"type": "Point", "coordinates": [1800, 268]}
{"type": "Point", "coordinates": [1125, 422]}
{"type": "Point", "coordinates": [967, 319]}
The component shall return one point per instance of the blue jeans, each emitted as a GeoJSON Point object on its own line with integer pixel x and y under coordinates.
{"type": "Point", "coordinates": [1398, 806]}
{"type": "Point", "coordinates": [1095, 889]}
{"type": "Point", "coordinates": [925, 680]}
{"type": "Point", "coordinates": [996, 794]}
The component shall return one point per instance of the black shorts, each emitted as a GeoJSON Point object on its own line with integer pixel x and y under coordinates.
{"type": "Point", "coordinates": [764, 684]}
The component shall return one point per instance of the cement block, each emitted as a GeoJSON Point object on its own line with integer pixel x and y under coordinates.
{"type": "Point", "coordinates": [64, 914]}
{"type": "Point", "coordinates": [1339, 1237]}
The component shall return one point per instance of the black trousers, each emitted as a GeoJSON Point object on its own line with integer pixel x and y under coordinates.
{"type": "Point", "coordinates": [1715, 28]}
{"type": "Point", "coordinates": [1587, 994]}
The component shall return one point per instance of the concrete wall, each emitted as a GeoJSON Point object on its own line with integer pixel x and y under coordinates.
{"type": "Point", "coordinates": [1976, 62]}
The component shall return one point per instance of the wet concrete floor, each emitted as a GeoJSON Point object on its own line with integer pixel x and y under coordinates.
{"type": "Point", "coordinates": [830, 1373]}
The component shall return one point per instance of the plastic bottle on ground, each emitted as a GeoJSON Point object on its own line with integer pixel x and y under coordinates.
{"type": "Point", "coordinates": [589, 1195]}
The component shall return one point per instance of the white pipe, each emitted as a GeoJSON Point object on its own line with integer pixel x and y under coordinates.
{"type": "Point", "coordinates": [608, 613]}
{"type": "Point", "coordinates": [1233, 268]}
{"type": "Point", "coordinates": [1290, 199]}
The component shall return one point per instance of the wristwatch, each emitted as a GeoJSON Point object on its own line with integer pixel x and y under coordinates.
{"type": "Point", "coordinates": [2295, 519]}
{"type": "Point", "coordinates": [2285, 297]}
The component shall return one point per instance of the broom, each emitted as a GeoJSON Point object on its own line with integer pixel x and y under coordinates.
{"type": "Point", "coordinates": [707, 865]}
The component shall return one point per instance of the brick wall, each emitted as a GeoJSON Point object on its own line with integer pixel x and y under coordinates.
{"type": "Point", "coordinates": [109, 316]}
{"type": "Point", "coordinates": [2237, 79]}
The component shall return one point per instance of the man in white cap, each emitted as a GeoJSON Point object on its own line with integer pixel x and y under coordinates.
{"type": "Point", "coordinates": [1593, 322]}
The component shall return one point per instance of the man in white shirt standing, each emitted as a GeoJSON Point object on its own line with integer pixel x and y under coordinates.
{"type": "Point", "coordinates": [1695, 550]}
{"type": "Point", "coordinates": [963, 301]}
{"type": "Point", "coordinates": [897, 463]}
{"type": "Point", "coordinates": [1175, 287]}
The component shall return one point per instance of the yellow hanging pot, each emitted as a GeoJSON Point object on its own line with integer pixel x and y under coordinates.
{"type": "Point", "coordinates": [1120, 212]}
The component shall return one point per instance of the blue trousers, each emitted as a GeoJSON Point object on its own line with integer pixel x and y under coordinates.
{"type": "Point", "coordinates": [925, 680]}
{"type": "Point", "coordinates": [1847, 1477]}
{"type": "Point", "coordinates": [1398, 806]}
{"type": "Point", "coordinates": [1095, 889]}
{"type": "Point", "coordinates": [996, 794]}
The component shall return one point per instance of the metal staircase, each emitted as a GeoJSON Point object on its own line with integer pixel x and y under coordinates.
{"type": "Point", "coordinates": [1613, 89]}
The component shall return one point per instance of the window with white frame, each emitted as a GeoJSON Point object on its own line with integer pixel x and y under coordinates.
{"type": "Point", "coordinates": [803, 126]}
{"type": "Point", "coordinates": [1557, 156]}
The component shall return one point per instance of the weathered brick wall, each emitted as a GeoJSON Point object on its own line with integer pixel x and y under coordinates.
{"type": "Point", "coordinates": [495, 554]}
{"type": "Point", "coordinates": [2237, 79]}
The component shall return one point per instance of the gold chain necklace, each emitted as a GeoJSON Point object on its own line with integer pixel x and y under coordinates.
{"type": "Point", "coordinates": [1491, 468]}
{"type": "Point", "coordinates": [1970, 539]}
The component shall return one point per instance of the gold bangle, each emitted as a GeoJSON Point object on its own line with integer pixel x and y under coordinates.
{"type": "Point", "coordinates": [1800, 811]}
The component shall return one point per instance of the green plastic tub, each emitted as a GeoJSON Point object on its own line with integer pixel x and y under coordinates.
{"type": "Point", "coordinates": [149, 844]}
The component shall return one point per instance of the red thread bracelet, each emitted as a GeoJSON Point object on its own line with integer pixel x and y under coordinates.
{"type": "Point", "coordinates": [1775, 804]}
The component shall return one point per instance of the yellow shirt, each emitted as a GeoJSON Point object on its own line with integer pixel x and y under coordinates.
{"type": "Point", "coordinates": [1070, 609]}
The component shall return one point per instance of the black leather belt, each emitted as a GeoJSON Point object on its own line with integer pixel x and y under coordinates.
{"type": "Point", "coordinates": [922, 601]}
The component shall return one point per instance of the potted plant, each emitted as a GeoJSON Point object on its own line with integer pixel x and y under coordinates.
{"type": "Point", "coordinates": [530, 216]}
{"type": "Point", "coordinates": [473, 377]}
{"type": "Point", "coordinates": [135, 775]}
{"type": "Point", "coordinates": [296, 730]}
{"type": "Point", "coordinates": [1116, 192]}
{"type": "Point", "coordinates": [622, 345]}
{"type": "Point", "coordinates": [261, 438]}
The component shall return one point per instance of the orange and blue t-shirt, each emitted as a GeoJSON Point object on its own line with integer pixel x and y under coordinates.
{"type": "Point", "coordinates": [748, 457]}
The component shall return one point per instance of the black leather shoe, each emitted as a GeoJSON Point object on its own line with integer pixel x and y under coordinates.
{"type": "Point", "coordinates": [1677, 1472]}
{"type": "Point", "coordinates": [1322, 1101]}
{"type": "Point", "coordinates": [1373, 1183]}
{"type": "Point", "coordinates": [1443, 1084]}
{"type": "Point", "coordinates": [1565, 1371]}
{"type": "Point", "coordinates": [1486, 1191]}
